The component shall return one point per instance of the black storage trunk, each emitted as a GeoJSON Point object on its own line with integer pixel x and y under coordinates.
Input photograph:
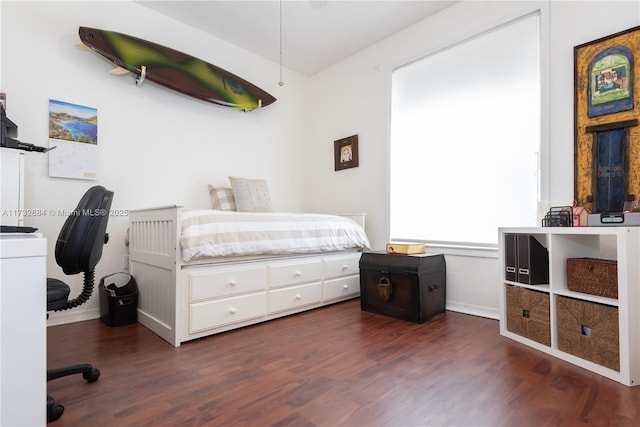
{"type": "Point", "coordinates": [118, 299]}
{"type": "Point", "coordinates": [407, 287]}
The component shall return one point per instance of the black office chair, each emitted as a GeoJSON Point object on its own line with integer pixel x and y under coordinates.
{"type": "Point", "coordinates": [78, 250]}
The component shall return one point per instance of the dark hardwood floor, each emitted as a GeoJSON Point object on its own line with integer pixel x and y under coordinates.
{"type": "Point", "coordinates": [334, 366]}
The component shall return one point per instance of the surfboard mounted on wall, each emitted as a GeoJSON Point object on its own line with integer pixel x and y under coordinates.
{"type": "Point", "coordinates": [175, 70]}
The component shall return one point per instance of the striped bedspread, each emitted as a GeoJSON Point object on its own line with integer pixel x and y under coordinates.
{"type": "Point", "coordinates": [210, 233]}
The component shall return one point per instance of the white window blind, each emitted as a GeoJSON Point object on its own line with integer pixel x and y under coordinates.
{"type": "Point", "coordinates": [465, 138]}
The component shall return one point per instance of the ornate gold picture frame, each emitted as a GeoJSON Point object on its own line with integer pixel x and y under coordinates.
{"type": "Point", "coordinates": [606, 117]}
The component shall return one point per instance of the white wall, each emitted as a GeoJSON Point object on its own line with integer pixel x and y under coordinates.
{"type": "Point", "coordinates": [353, 97]}
{"type": "Point", "coordinates": [156, 147]}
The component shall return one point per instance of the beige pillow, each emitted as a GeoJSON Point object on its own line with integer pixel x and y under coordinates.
{"type": "Point", "coordinates": [222, 198]}
{"type": "Point", "coordinates": [251, 195]}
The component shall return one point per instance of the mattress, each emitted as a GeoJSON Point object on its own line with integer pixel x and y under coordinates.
{"type": "Point", "coordinates": [212, 233]}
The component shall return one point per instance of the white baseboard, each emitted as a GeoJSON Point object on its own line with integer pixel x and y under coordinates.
{"type": "Point", "coordinates": [71, 316]}
{"type": "Point", "coordinates": [489, 313]}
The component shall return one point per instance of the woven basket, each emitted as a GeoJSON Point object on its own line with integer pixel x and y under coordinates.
{"type": "Point", "coordinates": [593, 276]}
{"type": "Point", "coordinates": [528, 314]}
{"type": "Point", "coordinates": [589, 330]}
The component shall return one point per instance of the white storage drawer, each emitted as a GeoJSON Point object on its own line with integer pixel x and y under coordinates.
{"type": "Point", "coordinates": [224, 282]}
{"type": "Point", "coordinates": [342, 266]}
{"type": "Point", "coordinates": [341, 288]}
{"type": "Point", "coordinates": [294, 273]}
{"type": "Point", "coordinates": [293, 297]}
{"type": "Point", "coordinates": [215, 313]}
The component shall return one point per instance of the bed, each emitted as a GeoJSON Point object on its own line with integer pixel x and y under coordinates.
{"type": "Point", "coordinates": [202, 272]}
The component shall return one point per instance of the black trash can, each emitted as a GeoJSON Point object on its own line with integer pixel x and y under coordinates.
{"type": "Point", "coordinates": [118, 299]}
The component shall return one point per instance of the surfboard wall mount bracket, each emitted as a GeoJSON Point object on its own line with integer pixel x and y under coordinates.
{"type": "Point", "coordinates": [142, 76]}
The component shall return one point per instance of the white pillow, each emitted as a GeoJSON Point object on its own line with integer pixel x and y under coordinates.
{"type": "Point", "coordinates": [251, 195]}
{"type": "Point", "coordinates": [222, 198]}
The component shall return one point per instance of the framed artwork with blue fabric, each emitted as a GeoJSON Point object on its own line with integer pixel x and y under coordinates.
{"type": "Point", "coordinates": [607, 122]}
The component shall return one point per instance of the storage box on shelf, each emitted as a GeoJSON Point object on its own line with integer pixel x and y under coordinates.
{"type": "Point", "coordinates": [593, 276]}
{"type": "Point", "coordinates": [528, 314]}
{"type": "Point", "coordinates": [596, 332]}
{"type": "Point", "coordinates": [526, 259]}
{"type": "Point", "coordinates": [589, 330]}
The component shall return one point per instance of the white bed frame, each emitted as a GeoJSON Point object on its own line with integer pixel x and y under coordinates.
{"type": "Point", "coordinates": [181, 302]}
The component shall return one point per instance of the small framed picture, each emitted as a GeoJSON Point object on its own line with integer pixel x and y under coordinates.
{"type": "Point", "coordinates": [346, 152]}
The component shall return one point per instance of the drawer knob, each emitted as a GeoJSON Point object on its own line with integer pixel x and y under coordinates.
{"type": "Point", "coordinates": [298, 297]}
{"type": "Point", "coordinates": [232, 282]}
{"type": "Point", "coordinates": [345, 286]}
{"type": "Point", "coordinates": [345, 267]}
{"type": "Point", "coordinates": [298, 273]}
{"type": "Point", "coordinates": [232, 310]}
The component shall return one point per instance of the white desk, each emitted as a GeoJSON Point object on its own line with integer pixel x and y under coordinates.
{"type": "Point", "coordinates": [23, 330]}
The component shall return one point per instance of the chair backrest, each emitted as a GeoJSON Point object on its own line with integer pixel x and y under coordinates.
{"type": "Point", "coordinates": [80, 242]}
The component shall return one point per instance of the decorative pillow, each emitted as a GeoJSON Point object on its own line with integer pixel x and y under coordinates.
{"type": "Point", "coordinates": [222, 198]}
{"type": "Point", "coordinates": [251, 195]}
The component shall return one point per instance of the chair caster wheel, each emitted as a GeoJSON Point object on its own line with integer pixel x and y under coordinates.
{"type": "Point", "coordinates": [54, 410]}
{"type": "Point", "coordinates": [92, 376]}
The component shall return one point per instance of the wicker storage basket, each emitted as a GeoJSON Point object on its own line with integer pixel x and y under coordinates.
{"type": "Point", "coordinates": [589, 330]}
{"type": "Point", "coordinates": [528, 314]}
{"type": "Point", "coordinates": [593, 276]}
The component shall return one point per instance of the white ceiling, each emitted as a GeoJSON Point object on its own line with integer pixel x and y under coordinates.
{"type": "Point", "coordinates": [315, 34]}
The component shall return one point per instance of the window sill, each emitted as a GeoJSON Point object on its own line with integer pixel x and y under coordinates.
{"type": "Point", "coordinates": [463, 249]}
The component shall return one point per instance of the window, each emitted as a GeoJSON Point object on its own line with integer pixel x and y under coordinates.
{"type": "Point", "coordinates": [465, 139]}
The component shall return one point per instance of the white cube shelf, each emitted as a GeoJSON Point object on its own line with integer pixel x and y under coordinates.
{"type": "Point", "coordinates": [621, 244]}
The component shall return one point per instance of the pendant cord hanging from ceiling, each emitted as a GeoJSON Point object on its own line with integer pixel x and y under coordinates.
{"type": "Point", "coordinates": [281, 83]}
